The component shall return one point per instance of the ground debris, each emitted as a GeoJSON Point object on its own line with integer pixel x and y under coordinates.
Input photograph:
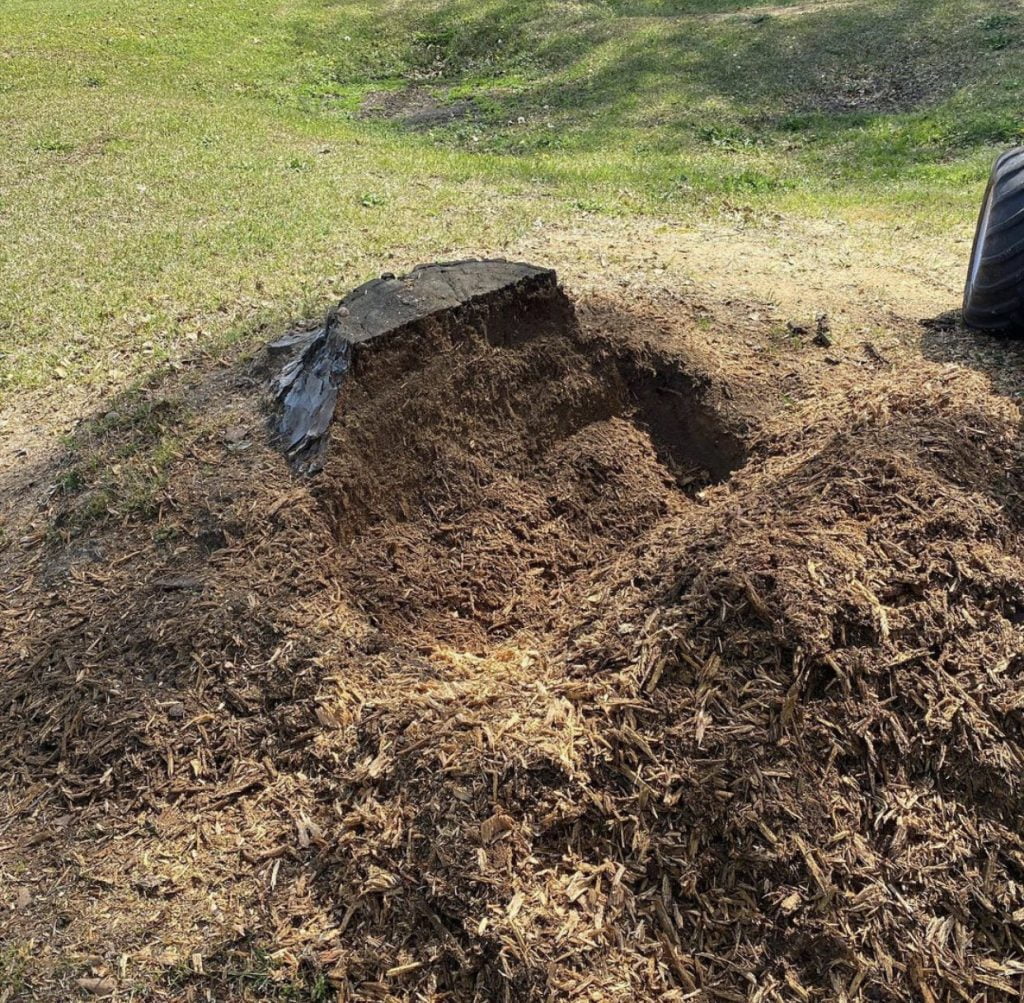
{"type": "Point", "coordinates": [823, 331]}
{"type": "Point", "coordinates": [573, 676]}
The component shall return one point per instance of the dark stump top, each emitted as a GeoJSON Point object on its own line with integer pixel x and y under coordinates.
{"type": "Point", "coordinates": [497, 299]}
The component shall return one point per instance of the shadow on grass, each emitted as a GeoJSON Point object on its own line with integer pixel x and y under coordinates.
{"type": "Point", "coordinates": [878, 86]}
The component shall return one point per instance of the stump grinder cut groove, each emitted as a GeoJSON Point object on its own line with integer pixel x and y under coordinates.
{"type": "Point", "coordinates": [502, 301]}
{"type": "Point", "coordinates": [508, 335]}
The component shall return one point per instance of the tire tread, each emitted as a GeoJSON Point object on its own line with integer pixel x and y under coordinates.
{"type": "Point", "coordinates": [995, 300]}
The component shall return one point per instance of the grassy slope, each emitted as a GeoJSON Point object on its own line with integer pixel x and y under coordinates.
{"type": "Point", "coordinates": [178, 174]}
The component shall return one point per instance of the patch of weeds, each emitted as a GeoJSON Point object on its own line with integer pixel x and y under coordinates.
{"type": "Point", "coordinates": [72, 481]}
{"type": "Point", "coordinates": [250, 975]}
{"type": "Point", "coordinates": [988, 128]}
{"type": "Point", "coordinates": [164, 536]}
{"type": "Point", "coordinates": [725, 138]}
{"type": "Point", "coordinates": [999, 30]}
{"type": "Point", "coordinates": [782, 338]}
{"type": "Point", "coordinates": [753, 182]}
{"type": "Point", "coordinates": [450, 42]}
{"type": "Point", "coordinates": [799, 123]}
{"type": "Point", "coordinates": [95, 507]}
{"type": "Point", "coordinates": [14, 963]}
{"type": "Point", "coordinates": [140, 417]}
{"type": "Point", "coordinates": [122, 493]}
{"type": "Point", "coordinates": [52, 144]}
{"type": "Point", "coordinates": [437, 41]}
{"type": "Point", "coordinates": [319, 989]}
{"type": "Point", "coordinates": [119, 464]}
{"type": "Point", "coordinates": [820, 124]}
{"type": "Point", "coordinates": [371, 200]}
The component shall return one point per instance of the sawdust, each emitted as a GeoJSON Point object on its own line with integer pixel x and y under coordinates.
{"type": "Point", "coordinates": [530, 696]}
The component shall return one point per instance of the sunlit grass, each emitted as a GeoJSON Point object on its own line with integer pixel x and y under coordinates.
{"type": "Point", "coordinates": [177, 176]}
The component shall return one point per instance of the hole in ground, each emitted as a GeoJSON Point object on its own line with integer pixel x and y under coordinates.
{"type": "Point", "coordinates": [475, 490]}
{"type": "Point", "coordinates": [687, 433]}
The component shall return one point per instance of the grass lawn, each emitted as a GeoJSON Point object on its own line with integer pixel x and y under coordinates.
{"type": "Point", "coordinates": [176, 176]}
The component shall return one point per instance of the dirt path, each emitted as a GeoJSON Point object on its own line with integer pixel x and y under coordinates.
{"type": "Point", "coordinates": [866, 278]}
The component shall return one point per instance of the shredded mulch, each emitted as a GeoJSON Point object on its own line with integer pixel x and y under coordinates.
{"type": "Point", "coordinates": [521, 700]}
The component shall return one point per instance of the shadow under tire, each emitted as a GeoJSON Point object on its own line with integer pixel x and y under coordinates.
{"type": "Point", "coordinates": [994, 293]}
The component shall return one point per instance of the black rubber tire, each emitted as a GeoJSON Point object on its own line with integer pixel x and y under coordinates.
{"type": "Point", "coordinates": [994, 293]}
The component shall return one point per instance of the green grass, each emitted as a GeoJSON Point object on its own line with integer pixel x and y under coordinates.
{"type": "Point", "coordinates": [15, 966]}
{"type": "Point", "coordinates": [176, 177]}
{"type": "Point", "coordinates": [247, 973]}
{"type": "Point", "coordinates": [117, 465]}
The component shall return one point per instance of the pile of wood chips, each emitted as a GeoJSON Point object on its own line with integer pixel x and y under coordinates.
{"type": "Point", "coordinates": [536, 718]}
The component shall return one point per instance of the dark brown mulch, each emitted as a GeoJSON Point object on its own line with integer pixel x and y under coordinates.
{"type": "Point", "coordinates": [513, 703]}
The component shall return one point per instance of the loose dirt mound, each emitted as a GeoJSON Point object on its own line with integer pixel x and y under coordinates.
{"type": "Point", "coordinates": [597, 666]}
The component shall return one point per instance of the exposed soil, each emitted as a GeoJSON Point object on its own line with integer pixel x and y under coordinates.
{"type": "Point", "coordinates": [489, 479]}
{"type": "Point", "coordinates": [868, 277]}
{"type": "Point", "coordinates": [415, 108]}
{"type": "Point", "coordinates": [760, 13]}
{"type": "Point", "coordinates": [648, 658]}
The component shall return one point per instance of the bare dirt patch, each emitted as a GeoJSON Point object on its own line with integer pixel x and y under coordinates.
{"type": "Point", "coordinates": [866, 276]}
{"type": "Point", "coordinates": [414, 108]}
{"type": "Point", "coordinates": [763, 12]}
